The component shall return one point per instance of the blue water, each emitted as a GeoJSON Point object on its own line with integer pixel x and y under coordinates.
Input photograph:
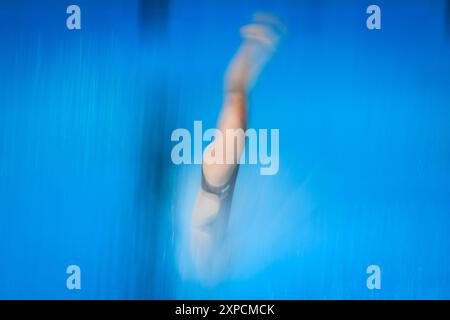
{"type": "Point", "coordinates": [85, 171]}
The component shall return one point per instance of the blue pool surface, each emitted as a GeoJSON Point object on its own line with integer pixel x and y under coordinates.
{"type": "Point", "coordinates": [86, 176]}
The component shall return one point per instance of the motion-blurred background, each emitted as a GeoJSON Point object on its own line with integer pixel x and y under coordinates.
{"type": "Point", "coordinates": [85, 170]}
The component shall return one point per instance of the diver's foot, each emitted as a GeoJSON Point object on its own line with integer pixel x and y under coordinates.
{"type": "Point", "coordinates": [265, 29]}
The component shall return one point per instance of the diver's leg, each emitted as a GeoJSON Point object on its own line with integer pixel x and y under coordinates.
{"type": "Point", "coordinates": [210, 213]}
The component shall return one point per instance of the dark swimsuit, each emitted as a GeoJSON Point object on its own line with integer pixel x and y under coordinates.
{"type": "Point", "coordinates": [225, 193]}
